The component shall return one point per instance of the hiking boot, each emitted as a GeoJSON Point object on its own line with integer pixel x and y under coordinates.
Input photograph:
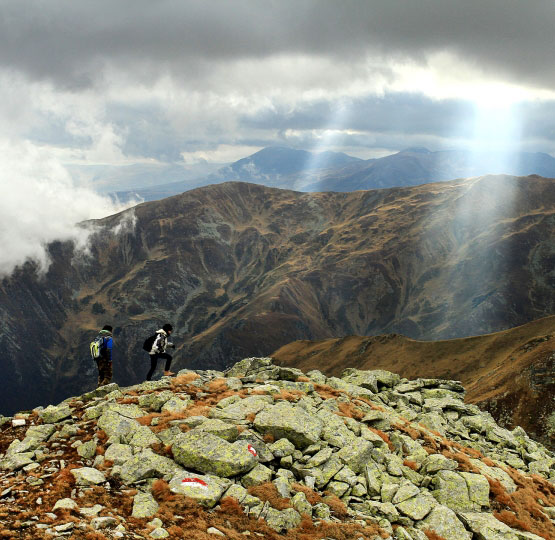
{"type": "Point", "coordinates": [169, 373]}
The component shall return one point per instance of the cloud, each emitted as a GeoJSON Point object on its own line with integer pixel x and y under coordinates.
{"type": "Point", "coordinates": [40, 204]}
{"type": "Point", "coordinates": [72, 43]}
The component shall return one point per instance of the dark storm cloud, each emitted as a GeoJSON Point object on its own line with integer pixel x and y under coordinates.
{"type": "Point", "coordinates": [396, 113]}
{"type": "Point", "coordinates": [70, 42]}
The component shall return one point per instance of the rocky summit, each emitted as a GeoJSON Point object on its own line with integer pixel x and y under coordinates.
{"type": "Point", "coordinates": [264, 451]}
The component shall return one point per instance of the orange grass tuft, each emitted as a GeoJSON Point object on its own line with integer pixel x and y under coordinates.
{"type": "Point", "coordinates": [384, 437]}
{"type": "Point", "coordinates": [350, 411]}
{"type": "Point", "coordinates": [268, 492]}
{"type": "Point", "coordinates": [311, 496]}
{"type": "Point", "coordinates": [288, 395]}
{"type": "Point", "coordinates": [432, 535]}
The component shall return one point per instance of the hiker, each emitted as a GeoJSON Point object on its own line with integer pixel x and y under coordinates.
{"type": "Point", "coordinates": [158, 350]}
{"type": "Point", "coordinates": [104, 359]}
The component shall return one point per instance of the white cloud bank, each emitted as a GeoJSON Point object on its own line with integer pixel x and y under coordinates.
{"type": "Point", "coordinates": [39, 204]}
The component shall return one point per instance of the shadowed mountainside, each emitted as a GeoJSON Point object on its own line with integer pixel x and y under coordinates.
{"type": "Point", "coordinates": [241, 269]}
{"type": "Point", "coordinates": [509, 373]}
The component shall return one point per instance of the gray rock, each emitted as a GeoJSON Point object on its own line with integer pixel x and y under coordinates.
{"type": "Point", "coordinates": [256, 476]}
{"type": "Point", "coordinates": [444, 522]}
{"type": "Point", "coordinates": [228, 432]}
{"type": "Point", "coordinates": [144, 505]}
{"type": "Point", "coordinates": [210, 454]}
{"type": "Point", "coordinates": [87, 450]}
{"type": "Point", "coordinates": [87, 476]}
{"type": "Point", "coordinates": [53, 414]}
{"type": "Point", "coordinates": [284, 420]}
{"type": "Point", "coordinates": [146, 464]}
{"type": "Point", "coordinates": [206, 490]}
{"type": "Point", "coordinates": [357, 454]}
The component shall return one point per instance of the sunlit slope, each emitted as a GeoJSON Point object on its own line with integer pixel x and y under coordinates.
{"type": "Point", "coordinates": [511, 373]}
{"type": "Point", "coordinates": [241, 269]}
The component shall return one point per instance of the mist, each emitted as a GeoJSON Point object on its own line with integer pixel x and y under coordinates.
{"type": "Point", "coordinates": [41, 204]}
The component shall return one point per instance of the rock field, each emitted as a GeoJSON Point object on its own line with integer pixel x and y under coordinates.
{"type": "Point", "coordinates": [263, 451]}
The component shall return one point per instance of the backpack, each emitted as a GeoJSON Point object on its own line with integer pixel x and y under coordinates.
{"type": "Point", "coordinates": [97, 345]}
{"type": "Point", "coordinates": [149, 342]}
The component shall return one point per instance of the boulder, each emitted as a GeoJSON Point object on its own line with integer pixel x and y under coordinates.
{"type": "Point", "coordinates": [444, 522]}
{"type": "Point", "coordinates": [210, 454]}
{"type": "Point", "coordinates": [284, 420]}
{"type": "Point", "coordinates": [144, 505]}
{"type": "Point", "coordinates": [206, 490]}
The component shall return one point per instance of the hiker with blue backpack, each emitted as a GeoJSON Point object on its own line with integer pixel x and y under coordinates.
{"type": "Point", "coordinates": [156, 347]}
{"type": "Point", "coordinates": [101, 352]}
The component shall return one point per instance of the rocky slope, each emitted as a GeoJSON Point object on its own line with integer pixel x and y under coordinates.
{"type": "Point", "coordinates": [240, 270]}
{"type": "Point", "coordinates": [266, 451]}
{"type": "Point", "coordinates": [511, 374]}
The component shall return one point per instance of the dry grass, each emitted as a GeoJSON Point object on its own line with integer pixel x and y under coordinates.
{"type": "Point", "coordinates": [327, 392]}
{"type": "Point", "coordinates": [350, 411]}
{"type": "Point", "coordinates": [411, 464]}
{"type": "Point", "coordinates": [508, 518]}
{"type": "Point", "coordinates": [311, 496]}
{"type": "Point", "coordinates": [432, 535]}
{"type": "Point", "coordinates": [524, 502]}
{"type": "Point", "coordinates": [384, 437]}
{"type": "Point", "coordinates": [337, 506]}
{"type": "Point", "coordinates": [268, 492]}
{"type": "Point", "coordinates": [288, 395]}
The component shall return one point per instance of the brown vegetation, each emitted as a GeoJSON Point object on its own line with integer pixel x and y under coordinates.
{"type": "Point", "coordinates": [268, 492]}
{"type": "Point", "coordinates": [432, 535]}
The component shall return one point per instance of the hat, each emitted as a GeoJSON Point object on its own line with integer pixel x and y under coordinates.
{"type": "Point", "coordinates": [107, 327]}
{"type": "Point", "coordinates": [167, 327]}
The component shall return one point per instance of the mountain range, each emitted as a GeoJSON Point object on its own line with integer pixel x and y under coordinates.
{"type": "Point", "coordinates": [300, 170]}
{"type": "Point", "coordinates": [241, 269]}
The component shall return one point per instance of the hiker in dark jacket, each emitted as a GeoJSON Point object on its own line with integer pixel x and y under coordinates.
{"type": "Point", "coordinates": [104, 363]}
{"type": "Point", "coordinates": [159, 351]}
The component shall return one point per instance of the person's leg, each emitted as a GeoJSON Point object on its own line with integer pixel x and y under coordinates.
{"type": "Point", "coordinates": [99, 366]}
{"type": "Point", "coordinates": [168, 358]}
{"type": "Point", "coordinates": [107, 373]}
{"type": "Point", "coordinates": [153, 362]}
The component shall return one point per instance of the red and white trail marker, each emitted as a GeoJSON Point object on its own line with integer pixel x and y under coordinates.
{"type": "Point", "coordinates": [195, 482]}
{"type": "Point", "coordinates": [252, 450]}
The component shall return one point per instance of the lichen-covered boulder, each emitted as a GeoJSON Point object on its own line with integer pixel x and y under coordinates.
{"type": "Point", "coordinates": [444, 522]}
{"type": "Point", "coordinates": [238, 411]}
{"type": "Point", "coordinates": [284, 420]}
{"type": "Point", "coordinates": [176, 404]}
{"type": "Point", "coordinates": [87, 450]}
{"type": "Point", "coordinates": [147, 464]}
{"type": "Point", "coordinates": [356, 454]}
{"type": "Point", "coordinates": [144, 505]}
{"type": "Point", "coordinates": [282, 520]}
{"type": "Point", "coordinates": [371, 380]}
{"type": "Point", "coordinates": [87, 476]}
{"type": "Point", "coordinates": [114, 424]}
{"type": "Point", "coordinates": [206, 490]}
{"type": "Point", "coordinates": [53, 414]}
{"type": "Point", "coordinates": [228, 432]}
{"type": "Point", "coordinates": [256, 476]}
{"type": "Point", "coordinates": [417, 507]}
{"type": "Point", "coordinates": [118, 453]}
{"type": "Point", "coordinates": [210, 454]}
{"type": "Point", "coordinates": [248, 366]}
{"type": "Point", "coordinates": [143, 437]}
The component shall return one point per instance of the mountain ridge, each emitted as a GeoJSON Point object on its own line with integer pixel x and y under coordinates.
{"type": "Point", "coordinates": [300, 170]}
{"type": "Point", "coordinates": [508, 373]}
{"type": "Point", "coordinates": [241, 269]}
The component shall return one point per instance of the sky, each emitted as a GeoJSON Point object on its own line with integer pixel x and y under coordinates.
{"type": "Point", "coordinates": [90, 89]}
